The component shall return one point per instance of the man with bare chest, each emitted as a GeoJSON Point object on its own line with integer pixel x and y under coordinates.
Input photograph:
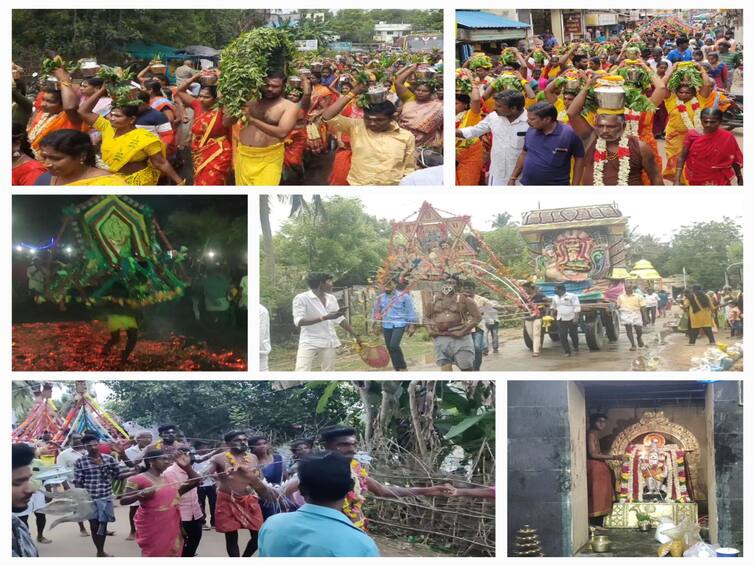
{"type": "Point", "coordinates": [451, 321]}
{"type": "Point", "coordinates": [237, 474]}
{"type": "Point", "coordinates": [258, 159]}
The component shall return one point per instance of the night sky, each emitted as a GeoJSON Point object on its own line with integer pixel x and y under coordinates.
{"type": "Point", "coordinates": [38, 217]}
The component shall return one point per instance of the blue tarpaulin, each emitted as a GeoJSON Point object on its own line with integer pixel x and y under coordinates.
{"type": "Point", "coordinates": [475, 19]}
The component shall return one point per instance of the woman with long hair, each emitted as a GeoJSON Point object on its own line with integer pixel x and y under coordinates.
{"type": "Point", "coordinates": [700, 311]}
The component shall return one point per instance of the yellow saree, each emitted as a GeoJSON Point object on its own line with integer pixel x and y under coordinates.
{"type": "Point", "coordinates": [136, 145]}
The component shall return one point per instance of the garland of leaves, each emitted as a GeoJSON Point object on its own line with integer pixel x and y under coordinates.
{"type": "Point", "coordinates": [508, 57]}
{"type": "Point", "coordinates": [246, 61]}
{"type": "Point", "coordinates": [48, 66]}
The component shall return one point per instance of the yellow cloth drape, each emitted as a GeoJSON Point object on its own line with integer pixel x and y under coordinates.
{"type": "Point", "coordinates": [257, 166]}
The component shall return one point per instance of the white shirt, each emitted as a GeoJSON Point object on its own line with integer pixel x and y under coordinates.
{"type": "Point", "coordinates": [507, 145]}
{"type": "Point", "coordinates": [321, 334]}
{"type": "Point", "coordinates": [651, 300]}
{"type": "Point", "coordinates": [265, 346]}
{"type": "Point", "coordinates": [567, 306]}
{"type": "Point", "coordinates": [432, 176]}
{"type": "Point", "coordinates": [68, 458]}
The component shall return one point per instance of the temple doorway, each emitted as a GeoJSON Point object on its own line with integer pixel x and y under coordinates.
{"type": "Point", "coordinates": [678, 457]}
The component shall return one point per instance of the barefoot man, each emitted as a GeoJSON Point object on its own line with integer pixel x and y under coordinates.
{"type": "Point", "coordinates": [258, 159]}
{"type": "Point", "coordinates": [452, 318]}
{"type": "Point", "coordinates": [238, 478]}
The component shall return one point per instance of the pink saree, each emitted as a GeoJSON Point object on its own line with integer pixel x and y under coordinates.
{"type": "Point", "coordinates": [158, 519]}
{"type": "Point", "coordinates": [425, 121]}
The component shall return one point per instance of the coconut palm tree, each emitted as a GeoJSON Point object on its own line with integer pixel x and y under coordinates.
{"type": "Point", "coordinates": [298, 206]}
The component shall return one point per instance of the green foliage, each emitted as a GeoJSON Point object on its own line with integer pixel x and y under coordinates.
{"type": "Point", "coordinates": [705, 249]}
{"type": "Point", "coordinates": [208, 409]}
{"type": "Point", "coordinates": [686, 73]}
{"type": "Point", "coordinates": [358, 26]}
{"type": "Point", "coordinates": [247, 60]}
{"type": "Point", "coordinates": [510, 248]}
{"type": "Point", "coordinates": [347, 242]}
{"type": "Point", "coordinates": [104, 33]}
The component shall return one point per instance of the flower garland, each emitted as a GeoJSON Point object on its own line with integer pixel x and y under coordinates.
{"type": "Point", "coordinates": [232, 459]}
{"type": "Point", "coordinates": [39, 127]}
{"type": "Point", "coordinates": [601, 156]}
{"type": "Point", "coordinates": [694, 105]}
{"type": "Point", "coordinates": [632, 118]}
{"type": "Point", "coordinates": [352, 503]}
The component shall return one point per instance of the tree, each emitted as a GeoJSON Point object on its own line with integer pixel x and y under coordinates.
{"type": "Point", "coordinates": [705, 249]}
{"type": "Point", "coordinates": [345, 241]}
{"type": "Point", "coordinates": [209, 409]}
{"type": "Point", "coordinates": [502, 219]}
{"type": "Point", "coordinates": [509, 246]}
{"type": "Point", "coordinates": [649, 247]}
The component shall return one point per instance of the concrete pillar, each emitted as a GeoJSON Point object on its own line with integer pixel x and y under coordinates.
{"type": "Point", "coordinates": [539, 461]}
{"type": "Point", "coordinates": [728, 454]}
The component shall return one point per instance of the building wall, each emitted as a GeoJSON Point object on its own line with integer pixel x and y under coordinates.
{"type": "Point", "coordinates": [539, 481]}
{"type": "Point", "coordinates": [728, 443]}
{"type": "Point", "coordinates": [578, 439]}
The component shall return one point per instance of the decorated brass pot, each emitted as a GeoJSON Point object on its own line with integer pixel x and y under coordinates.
{"type": "Point", "coordinates": [600, 543]}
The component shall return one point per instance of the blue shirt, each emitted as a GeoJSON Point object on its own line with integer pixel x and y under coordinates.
{"type": "Point", "coordinates": [395, 310]}
{"type": "Point", "coordinates": [548, 159]}
{"type": "Point", "coordinates": [676, 55]}
{"type": "Point", "coordinates": [314, 530]}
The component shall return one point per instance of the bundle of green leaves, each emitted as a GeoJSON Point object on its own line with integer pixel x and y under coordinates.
{"type": "Point", "coordinates": [47, 66]}
{"type": "Point", "coordinates": [508, 82]}
{"type": "Point", "coordinates": [247, 60]}
{"type": "Point", "coordinates": [463, 85]}
{"type": "Point", "coordinates": [508, 57]}
{"type": "Point", "coordinates": [643, 80]}
{"type": "Point", "coordinates": [637, 101]}
{"type": "Point", "coordinates": [480, 61]}
{"type": "Point", "coordinates": [686, 73]}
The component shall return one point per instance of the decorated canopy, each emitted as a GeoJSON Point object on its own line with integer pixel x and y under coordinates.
{"type": "Point", "coordinates": [643, 269]}
{"type": "Point", "coordinates": [87, 415]}
{"type": "Point", "coordinates": [42, 417]}
{"type": "Point", "coordinates": [122, 256]}
{"type": "Point", "coordinates": [430, 245]}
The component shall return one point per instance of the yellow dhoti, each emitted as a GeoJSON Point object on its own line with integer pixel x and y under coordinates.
{"type": "Point", "coordinates": [257, 166]}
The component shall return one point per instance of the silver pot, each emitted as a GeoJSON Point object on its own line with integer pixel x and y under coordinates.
{"type": "Point", "coordinates": [600, 543]}
{"type": "Point", "coordinates": [377, 94]}
{"type": "Point", "coordinates": [89, 68]}
{"type": "Point", "coordinates": [305, 72]}
{"type": "Point", "coordinates": [633, 74]}
{"type": "Point", "coordinates": [209, 79]}
{"type": "Point", "coordinates": [52, 82]}
{"type": "Point", "coordinates": [611, 98]}
{"type": "Point", "coordinates": [294, 82]}
{"type": "Point", "coordinates": [425, 74]}
{"type": "Point", "coordinates": [316, 66]}
{"type": "Point", "coordinates": [571, 84]}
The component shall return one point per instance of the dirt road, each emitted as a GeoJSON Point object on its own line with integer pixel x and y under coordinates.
{"type": "Point", "coordinates": [67, 542]}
